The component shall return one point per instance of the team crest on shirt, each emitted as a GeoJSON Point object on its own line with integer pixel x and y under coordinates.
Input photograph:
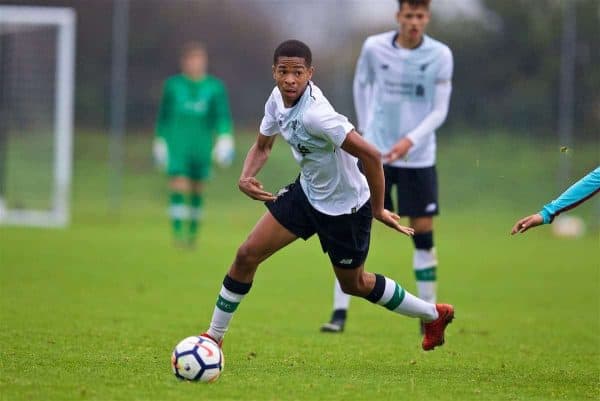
{"type": "Point", "coordinates": [296, 142]}
{"type": "Point", "coordinates": [302, 149]}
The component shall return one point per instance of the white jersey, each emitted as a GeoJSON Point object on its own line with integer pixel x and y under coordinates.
{"type": "Point", "coordinates": [329, 176]}
{"type": "Point", "coordinates": [403, 93]}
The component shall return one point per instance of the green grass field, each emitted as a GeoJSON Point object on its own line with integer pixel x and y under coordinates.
{"type": "Point", "coordinates": [92, 312]}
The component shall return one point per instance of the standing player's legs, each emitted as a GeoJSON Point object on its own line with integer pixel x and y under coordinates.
{"type": "Point", "coordinates": [179, 188]}
{"type": "Point", "coordinates": [267, 237]}
{"type": "Point", "coordinates": [195, 215]}
{"type": "Point", "coordinates": [417, 192]}
{"type": "Point", "coordinates": [341, 303]}
{"type": "Point", "coordinates": [418, 199]}
{"type": "Point", "coordinates": [424, 258]}
{"type": "Point", "coordinates": [200, 169]}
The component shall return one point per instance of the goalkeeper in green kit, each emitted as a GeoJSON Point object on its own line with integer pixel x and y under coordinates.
{"type": "Point", "coordinates": [194, 115]}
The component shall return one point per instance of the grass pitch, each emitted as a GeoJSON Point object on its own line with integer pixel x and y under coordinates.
{"type": "Point", "coordinates": [92, 312]}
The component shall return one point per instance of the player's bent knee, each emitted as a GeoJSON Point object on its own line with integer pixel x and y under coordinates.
{"type": "Point", "coordinates": [349, 288]}
{"type": "Point", "coordinates": [181, 184]}
{"type": "Point", "coordinates": [356, 286]}
{"type": "Point", "coordinates": [247, 257]}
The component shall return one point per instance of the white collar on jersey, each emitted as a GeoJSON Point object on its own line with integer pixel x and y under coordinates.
{"type": "Point", "coordinates": [395, 45]}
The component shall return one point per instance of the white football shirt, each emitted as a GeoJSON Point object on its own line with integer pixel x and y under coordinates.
{"type": "Point", "coordinates": [329, 176]}
{"type": "Point", "coordinates": [403, 93]}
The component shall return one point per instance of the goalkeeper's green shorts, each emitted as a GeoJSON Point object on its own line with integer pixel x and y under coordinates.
{"type": "Point", "coordinates": [185, 162]}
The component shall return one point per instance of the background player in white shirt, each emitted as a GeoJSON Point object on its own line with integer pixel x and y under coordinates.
{"type": "Point", "coordinates": [331, 198]}
{"type": "Point", "coordinates": [402, 89]}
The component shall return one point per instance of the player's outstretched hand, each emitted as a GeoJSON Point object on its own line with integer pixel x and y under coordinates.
{"type": "Point", "coordinates": [526, 223]}
{"type": "Point", "coordinates": [254, 189]}
{"type": "Point", "coordinates": [391, 220]}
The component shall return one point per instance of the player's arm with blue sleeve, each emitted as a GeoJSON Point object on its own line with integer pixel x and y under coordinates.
{"type": "Point", "coordinates": [577, 193]}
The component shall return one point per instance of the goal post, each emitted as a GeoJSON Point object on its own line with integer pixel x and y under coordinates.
{"type": "Point", "coordinates": [37, 55]}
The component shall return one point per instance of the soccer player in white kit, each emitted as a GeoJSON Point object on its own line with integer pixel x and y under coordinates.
{"type": "Point", "coordinates": [331, 198]}
{"type": "Point", "coordinates": [402, 89]}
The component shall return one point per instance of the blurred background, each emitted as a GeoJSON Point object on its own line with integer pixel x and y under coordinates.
{"type": "Point", "coordinates": [526, 85]}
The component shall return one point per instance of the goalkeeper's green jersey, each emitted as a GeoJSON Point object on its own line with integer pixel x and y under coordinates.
{"type": "Point", "coordinates": [192, 112]}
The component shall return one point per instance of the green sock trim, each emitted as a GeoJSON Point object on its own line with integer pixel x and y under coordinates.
{"type": "Point", "coordinates": [429, 274]}
{"type": "Point", "coordinates": [193, 228]}
{"type": "Point", "coordinates": [177, 198]}
{"type": "Point", "coordinates": [225, 305]}
{"type": "Point", "coordinates": [196, 201]}
{"type": "Point", "coordinates": [396, 298]}
{"type": "Point", "coordinates": [176, 201]}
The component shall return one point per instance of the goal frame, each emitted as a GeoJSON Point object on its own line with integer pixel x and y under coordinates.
{"type": "Point", "coordinates": [64, 19]}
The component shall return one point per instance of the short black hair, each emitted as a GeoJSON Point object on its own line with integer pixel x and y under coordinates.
{"type": "Point", "coordinates": [293, 48]}
{"type": "Point", "coordinates": [414, 3]}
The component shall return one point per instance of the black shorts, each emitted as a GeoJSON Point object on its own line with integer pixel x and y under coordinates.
{"type": "Point", "coordinates": [416, 190]}
{"type": "Point", "coordinates": [345, 238]}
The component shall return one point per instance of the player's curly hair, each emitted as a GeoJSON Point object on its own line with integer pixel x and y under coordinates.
{"type": "Point", "coordinates": [293, 48]}
{"type": "Point", "coordinates": [414, 3]}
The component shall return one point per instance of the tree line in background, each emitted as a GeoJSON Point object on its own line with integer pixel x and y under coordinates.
{"type": "Point", "coordinates": [506, 74]}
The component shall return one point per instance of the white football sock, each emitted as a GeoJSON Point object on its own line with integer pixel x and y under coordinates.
{"type": "Point", "coordinates": [341, 300]}
{"type": "Point", "coordinates": [227, 303]}
{"type": "Point", "coordinates": [425, 267]}
{"type": "Point", "coordinates": [398, 300]}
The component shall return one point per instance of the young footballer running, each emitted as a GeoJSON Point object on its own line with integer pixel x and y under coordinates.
{"type": "Point", "coordinates": [402, 88]}
{"type": "Point", "coordinates": [193, 109]}
{"type": "Point", "coordinates": [330, 198]}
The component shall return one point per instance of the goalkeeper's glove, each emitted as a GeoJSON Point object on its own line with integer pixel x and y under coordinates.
{"type": "Point", "coordinates": [224, 152]}
{"type": "Point", "coordinates": [160, 152]}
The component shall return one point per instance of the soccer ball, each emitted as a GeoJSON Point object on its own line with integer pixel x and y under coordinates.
{"type": "Point", "coordinates": [197, 359]}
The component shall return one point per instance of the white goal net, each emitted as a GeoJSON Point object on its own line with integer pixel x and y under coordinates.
{"type": "Point", "coordinates": [37, 46]}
